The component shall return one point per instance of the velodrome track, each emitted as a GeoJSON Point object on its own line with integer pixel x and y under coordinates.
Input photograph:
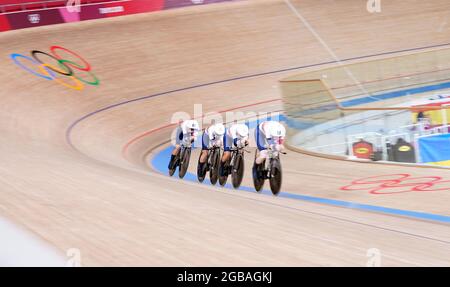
{"type": "Point", "coordinates": [77, 165]}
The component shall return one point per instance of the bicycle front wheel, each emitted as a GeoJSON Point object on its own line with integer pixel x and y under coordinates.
{"type": "Point", "coordinates": [275, 176]}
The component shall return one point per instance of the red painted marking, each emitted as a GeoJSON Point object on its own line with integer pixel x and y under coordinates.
{"type": "Point", "coordinates": [4, 23]}
{"type": "Point", "coordinates": [143, 135]}
{"type": "Point", "coordinates": [134, 7]}
{"type": "Point", "coordinates": [397, 183]}
{"type": "Point", "coordinates": [147, 133]}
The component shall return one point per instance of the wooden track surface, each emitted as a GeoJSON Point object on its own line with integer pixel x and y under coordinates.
{"type": "Point", "coordinates": [68, 180]}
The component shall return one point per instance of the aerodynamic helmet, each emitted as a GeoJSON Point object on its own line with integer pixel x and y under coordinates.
{"type": "Point", "coordinates": [193, 125]}
{"type": "Point", "coordinates": [242, 131]}
{"type": "Point", "coordinates": [218, 129]}
{"type": "Point", "coordinates": [277, 130]}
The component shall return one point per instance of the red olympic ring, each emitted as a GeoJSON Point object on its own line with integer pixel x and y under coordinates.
{"type": "Point", "coordinates": [397, 183]}
{"type": "Point", "coordinates": [86, 64]}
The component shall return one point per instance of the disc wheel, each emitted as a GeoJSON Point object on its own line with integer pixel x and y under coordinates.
{"type": "Point", "coordinates": [258, 182]}
{"type": "Point", "coordinates": [201, 170]}
{"type": "Point", "coordinates": [237, 173]}
{"type": "Point", "coordinates": [275, 177]}
{"type": "Point", "coordinates": [214, 171]}
{"type": "Point", "coordinates": [223, 179]}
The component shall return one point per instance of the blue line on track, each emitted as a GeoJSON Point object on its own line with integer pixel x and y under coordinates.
{"type": "Point", "coordinates": [161, 160]}
{"type": "Point", "coordinates": [396, 94]}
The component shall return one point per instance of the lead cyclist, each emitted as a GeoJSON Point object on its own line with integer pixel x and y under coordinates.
{"type": "Point", "coordinates": [268, 134]}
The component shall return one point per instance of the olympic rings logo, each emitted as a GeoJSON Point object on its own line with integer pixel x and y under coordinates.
{"type": "Point", "coordinates": [398, 183]}
{"type": "Point", "coordinates": [65, 67]}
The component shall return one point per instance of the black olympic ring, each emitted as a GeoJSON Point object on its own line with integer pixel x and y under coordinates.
{"type": "Point", "coordinates": [60, 62]}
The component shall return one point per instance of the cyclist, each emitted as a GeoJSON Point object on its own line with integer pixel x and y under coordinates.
{"type": "Point", "coordinates": [186, 131]}
{"type": "Point", "coordinates": [235, 136]}
{"type": "Point", "coordinates": [268, 134]}
{"type": "Point", "coordinates": [212, 137]}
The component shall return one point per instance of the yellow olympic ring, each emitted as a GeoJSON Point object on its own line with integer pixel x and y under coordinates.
{"type": "Point", "coordinates": [78, 85]}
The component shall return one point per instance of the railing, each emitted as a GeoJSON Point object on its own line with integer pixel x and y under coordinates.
{"type": "Point", "coordinates": [330, 148]}
{"type": "Point", "coordinates": [316, 99]}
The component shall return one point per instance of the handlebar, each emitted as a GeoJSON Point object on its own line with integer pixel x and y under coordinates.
{"type": "Point", "coordinates": [270, 147]}
{"type": "Point", "coordinates": [239, 148]}
{"type": "Point", "coordinates": [186, 143]}
{"type": "Point", "coordinates": [214, 147]}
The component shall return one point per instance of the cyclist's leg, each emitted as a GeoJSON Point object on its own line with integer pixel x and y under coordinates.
{"type": "Point", "coordinates": [204, 153]}
{"type": "Point", "coordinates": [262, 153]}
{"type": "Point", "coordinates": [261, 143]}
{"type": "Point", "coordinates": [178, 141]}
{"type": "Point", "coordinates": [176, 150]}
{"type": "Point", "coordinates": [227, 144]}
{"type": "Point", "coordinates": [226, 155]}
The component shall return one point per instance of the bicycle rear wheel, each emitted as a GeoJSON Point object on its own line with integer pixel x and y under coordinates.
{"type": "Point", "coordinates": [201, 169]}
{"type": "Point", "coordinates": [223, 178]}
{"type": "Point", "coordinates": [184, 164]}
{"type": "Point", "coordinates": [214, 169]}
{"type": "Point", "coordinates": [258, 182]}
{"type": "Point", "coordinates": [174, 165]}
{"type": "Point", "coordinates": [237, 174]}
